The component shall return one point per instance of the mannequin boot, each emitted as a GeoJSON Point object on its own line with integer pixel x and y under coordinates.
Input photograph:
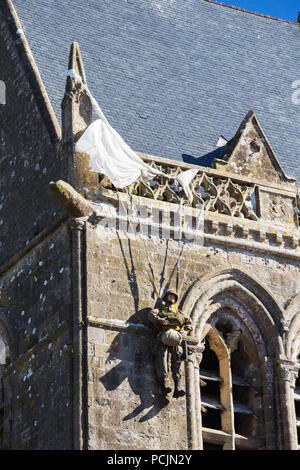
{"type": "Point", "coordinates": [165, 390]}
{"type": "Point", "coordinates": [178, 390]}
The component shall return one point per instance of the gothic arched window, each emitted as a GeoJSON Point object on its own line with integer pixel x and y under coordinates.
{"type": "Point", "coordinates": [231, 392]}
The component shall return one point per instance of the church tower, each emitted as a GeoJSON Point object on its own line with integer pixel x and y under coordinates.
{"type": "Point", "coordinates": [92, 343]}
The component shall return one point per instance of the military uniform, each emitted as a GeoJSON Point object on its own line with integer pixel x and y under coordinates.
{"type": "Point", "coordinates": [165, 319]}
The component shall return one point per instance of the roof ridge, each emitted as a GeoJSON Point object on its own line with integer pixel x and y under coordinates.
{"type": "Point", "coordinates": [32, 72]}
{"type": "Point", "coordinates": [251, 12]}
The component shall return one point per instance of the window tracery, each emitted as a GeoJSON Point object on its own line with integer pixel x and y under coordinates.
{"type": "Point", "coordinates": [231, 392]}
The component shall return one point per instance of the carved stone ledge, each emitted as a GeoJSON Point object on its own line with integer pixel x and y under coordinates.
{"type": "Point", "coordinates": [215, 223]}
{"type": "Point", "coordinates": [216, 227]}
{"type": "Point", "coordinates": [135, 328]}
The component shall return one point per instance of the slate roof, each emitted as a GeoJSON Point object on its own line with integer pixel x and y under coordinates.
{"type": "Point", "coordinates": [171, 76]}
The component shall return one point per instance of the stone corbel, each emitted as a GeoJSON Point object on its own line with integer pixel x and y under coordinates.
{"type": "Point", "coordinates": [77, 225]}
{"type": "Point", "coordinates": [72, 201]}
{"type": "Point", "coordinates": [294, 242]}
{"type": "Point", "coordinates": [228, 229]}
{"type": "Point", "coordinates": [278, 239]}
{"type": "Point", "coordinates": [285, 324]}
{"type": "Point", "coordinates": [232, 340]}
{"type": "Point", "coordinates": [262, 236]}
{"type": "Point", "coordinates": [214, 226]}
{"type": "Point", "coordinates": [245, 232]}
{"type": "Point", "coordinates": [288, 371]}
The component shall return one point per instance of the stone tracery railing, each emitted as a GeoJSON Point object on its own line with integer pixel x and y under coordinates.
{"type": "Point", "coordinates": [213, 193]}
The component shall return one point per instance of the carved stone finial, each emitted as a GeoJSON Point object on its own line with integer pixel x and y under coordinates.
{"type": "Point", "coordinates": [76, 105]}
{"type": "Point", "coordinates": [76, 117]}
{"type": "Point", "coordinates": [75, 63]}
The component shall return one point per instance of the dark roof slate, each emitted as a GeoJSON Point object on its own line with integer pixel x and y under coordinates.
{"type": "Point", "coordinates": [172, 76]}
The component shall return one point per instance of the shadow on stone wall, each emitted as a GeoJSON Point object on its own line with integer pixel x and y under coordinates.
{"type": "Point", "coordinates": [137, 365]}
{"type": "Point", "coordinates": [136, 352]}
{"type": "Point", "coordinates": [132, 278]}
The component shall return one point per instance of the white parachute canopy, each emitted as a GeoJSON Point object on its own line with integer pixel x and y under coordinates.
{"type": "Point", "coordinates": [111, 156]}
{"type": "Point", "coordinates": [184, 179]}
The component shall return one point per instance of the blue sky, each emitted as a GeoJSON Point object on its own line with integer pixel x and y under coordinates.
{"type": "Point", "coordinates": [285, 9]}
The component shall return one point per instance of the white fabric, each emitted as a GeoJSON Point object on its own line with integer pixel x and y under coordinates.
{"type": "Point", "coordinates": [111, 156]}
{"type": "Point", "coordinates": [184, 179]}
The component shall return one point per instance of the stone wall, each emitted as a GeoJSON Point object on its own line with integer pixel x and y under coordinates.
{"type": "Point", "coordinates": [36, 308]}
{"type": "Point", "coordinates": [125, 409]}
{"type": "Point", "coordinates": [29, 144]}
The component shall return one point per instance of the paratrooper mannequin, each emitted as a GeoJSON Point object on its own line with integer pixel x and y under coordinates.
{"type": "Point", "coordinates": [168, 323]}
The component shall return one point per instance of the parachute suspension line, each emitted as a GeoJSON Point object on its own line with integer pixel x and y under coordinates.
{"type": "Point", "coordinates": [162, 274]}
{"type": "Point", "coordinates": [198, 221]}
{"type": "Point", "coordinates": [122, 206]}
{"type": "Point", "coordinates": [177, 264]}
{"type": "Point", "coordinates": [182, 247]}
{"type": "Point", "coordinates": [178, 267]}
{"type": "Point", "coordinates": [150, 273]}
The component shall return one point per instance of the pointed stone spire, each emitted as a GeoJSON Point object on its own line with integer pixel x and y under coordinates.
{"type": "Point", "coordinates": [76, 105]}
{"type": "Point", "coordinates": [76, 117]}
